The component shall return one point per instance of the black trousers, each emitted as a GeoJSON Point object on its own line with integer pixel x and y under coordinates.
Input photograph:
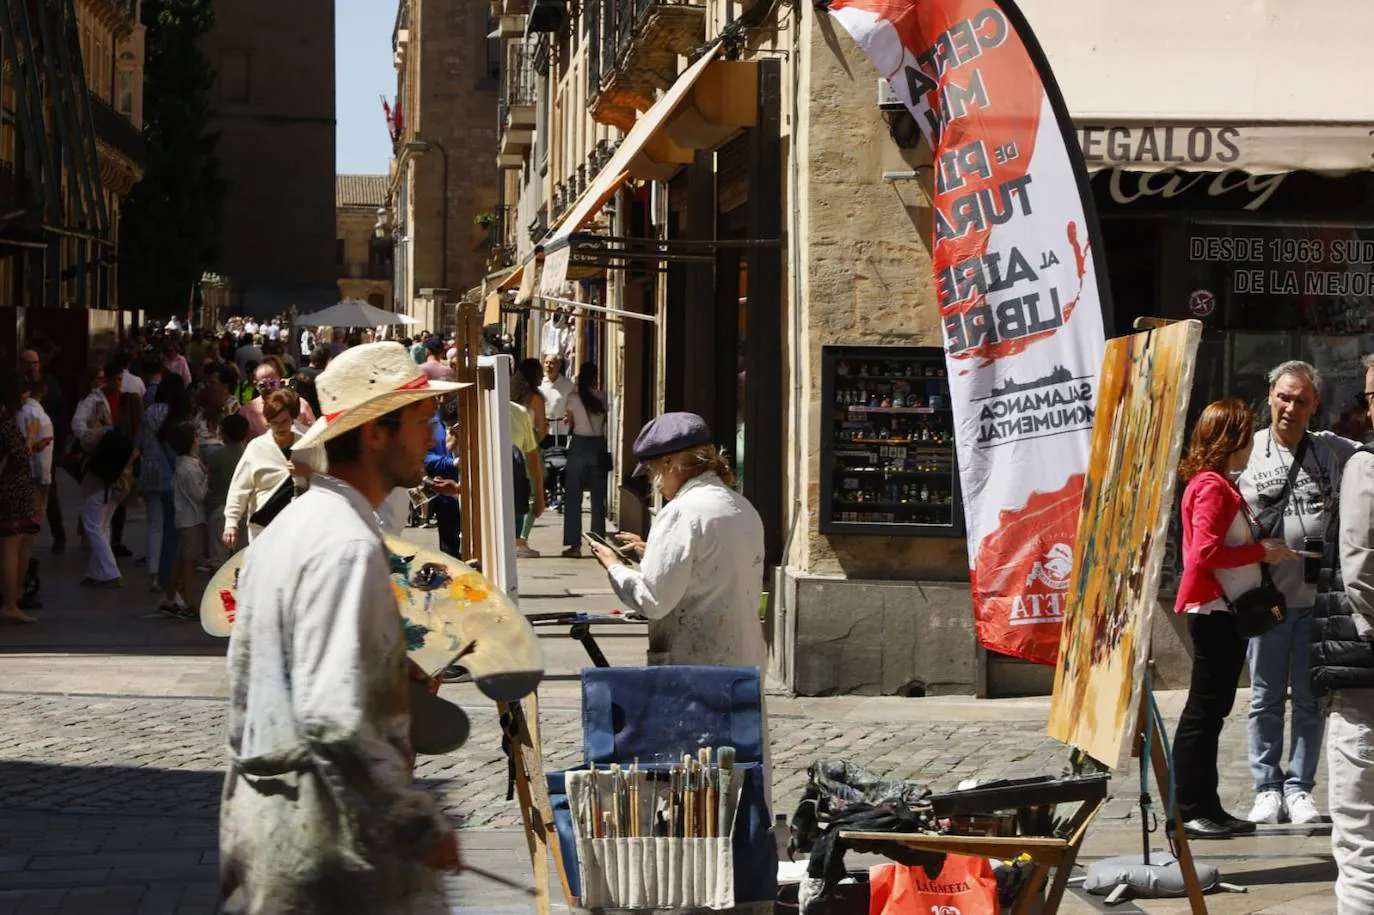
{"type": "Point", "coordinates": [56, 526]}
{"type": "Point", "coordinates": [450, 525]}
{"type": "Point", "coordinates": [117, 526]}
{"type": "Point", "coordinates": [1218, 658]}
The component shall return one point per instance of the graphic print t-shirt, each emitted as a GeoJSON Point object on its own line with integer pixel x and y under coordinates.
{"type": "Point", "coordinates": [1315, 491]}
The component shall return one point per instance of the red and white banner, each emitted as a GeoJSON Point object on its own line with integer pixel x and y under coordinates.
{"type": "Point", "coordinates": [1022, 291]}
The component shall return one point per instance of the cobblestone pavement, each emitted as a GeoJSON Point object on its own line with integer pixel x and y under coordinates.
{"type": "Point", "coordinates": [120, 755]}
{"type": "Point", "coordinates": [111, 760]}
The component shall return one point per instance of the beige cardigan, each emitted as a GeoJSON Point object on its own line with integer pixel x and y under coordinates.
{"type": "Point", "coordinates": [259, 473]}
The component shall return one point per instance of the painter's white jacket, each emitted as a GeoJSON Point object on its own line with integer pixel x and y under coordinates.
{"type": "Point", "coordinates": [321, 815]}
{"type": "Point", "coordinates": [702, 573]}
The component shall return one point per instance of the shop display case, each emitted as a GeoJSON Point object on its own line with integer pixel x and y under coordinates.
{"type": "Point", "coordinates": [887, 457]}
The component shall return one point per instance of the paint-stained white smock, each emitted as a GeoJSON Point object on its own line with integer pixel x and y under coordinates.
{"type": "Point", "coordinates": [321, 815]}
{"type": "Point", "coordinates": [702, 573]}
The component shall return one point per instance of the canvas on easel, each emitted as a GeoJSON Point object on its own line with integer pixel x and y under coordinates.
{"type": "Point", "coordinates": [1138, 429]}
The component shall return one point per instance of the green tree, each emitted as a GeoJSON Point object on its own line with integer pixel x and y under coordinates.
{"type": "Point", "coordinates": [171, 223]}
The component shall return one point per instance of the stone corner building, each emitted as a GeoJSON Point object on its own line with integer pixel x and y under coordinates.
{"type": "Point", "coordinates": [364, 259]}
{"type": "Point", "coordinates": [276, 126]}
{"type": "Point", "coordinates": [443, 129]}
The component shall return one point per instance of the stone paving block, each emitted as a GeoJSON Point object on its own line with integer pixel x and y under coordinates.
{"type": "Point", "coordinates": [94, 876]}
{"type": "Point", "coordinates": [118, 861]}
{"type": "Point", "coordinates": [41, 903]}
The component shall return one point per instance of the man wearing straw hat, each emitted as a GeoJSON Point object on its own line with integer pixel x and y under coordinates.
{"type": "Point", "coordinates": [320, 813]}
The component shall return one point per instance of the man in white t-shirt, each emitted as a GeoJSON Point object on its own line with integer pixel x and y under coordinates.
{"type": "Point", "coordinates": [132, 384]}
{"type": "Point", "coordinates": [555, 387]}
{"type": "Point", "coordinates": [273, 329]}
{"type": "Point", "coordinates": [251, 328]}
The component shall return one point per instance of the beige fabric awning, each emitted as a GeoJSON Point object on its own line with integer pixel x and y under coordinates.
{"type": "Point", "coordinates": [710, 100]}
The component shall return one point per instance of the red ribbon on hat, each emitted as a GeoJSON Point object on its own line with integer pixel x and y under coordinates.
{"type": "Point", "coordinates": [418, 384]}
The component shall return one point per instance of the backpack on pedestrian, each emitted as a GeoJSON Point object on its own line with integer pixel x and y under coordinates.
{"type": "Point", "coordinates": [111, 457]}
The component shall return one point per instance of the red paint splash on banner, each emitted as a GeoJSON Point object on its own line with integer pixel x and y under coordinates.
{"type": "Point", "coordinates": [1023, 574]}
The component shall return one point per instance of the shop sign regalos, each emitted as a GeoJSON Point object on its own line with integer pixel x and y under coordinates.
{"type": "Point", "coordinates": [1021, 287]}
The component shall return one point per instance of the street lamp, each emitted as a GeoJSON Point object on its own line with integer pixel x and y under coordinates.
{"type": "Point", "coordinates": [419, 145]}
{"type": "Point", "coordinates": [383, 227]}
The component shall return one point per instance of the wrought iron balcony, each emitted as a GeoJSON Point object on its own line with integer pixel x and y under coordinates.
{"type": "Point", "coordinates": [117, 131]}
{"type": "Point", "coordinates": [520, 83]}
{"type": "Point", "coordinates": [635, 52]}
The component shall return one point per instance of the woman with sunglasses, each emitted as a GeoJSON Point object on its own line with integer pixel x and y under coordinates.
{"type": "Point", "coordinates": [269, 376]}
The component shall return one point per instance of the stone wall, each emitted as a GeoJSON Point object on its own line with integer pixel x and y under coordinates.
{"type": "Point", "coordinates": [868, 278]}
{"type": "Point", "coordinates": [277, 139]}
{"type": "Point", "coordinates": [457, 103]}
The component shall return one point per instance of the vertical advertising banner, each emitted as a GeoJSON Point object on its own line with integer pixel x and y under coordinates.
{"type": "Point", "coordinates": [1022, 290]}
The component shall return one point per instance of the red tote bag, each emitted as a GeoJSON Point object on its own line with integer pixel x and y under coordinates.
{"type": "Point", "coordinates": [964, 886]}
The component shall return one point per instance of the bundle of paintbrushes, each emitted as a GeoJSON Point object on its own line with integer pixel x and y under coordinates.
{"type": "Point", "coordinates": [694, 798]}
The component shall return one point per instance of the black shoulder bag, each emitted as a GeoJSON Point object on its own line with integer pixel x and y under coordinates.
{"type": "Point", "coordinates": [1262, 608]}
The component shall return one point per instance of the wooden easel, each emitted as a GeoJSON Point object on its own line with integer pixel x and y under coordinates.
{"type": "Point", "coordinates": [532, 793]}
{"type": "Point", "coordinates": [1160, 764]}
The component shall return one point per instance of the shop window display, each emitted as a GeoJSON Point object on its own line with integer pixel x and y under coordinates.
{"type": "Point", "coordinates": [888, 460]}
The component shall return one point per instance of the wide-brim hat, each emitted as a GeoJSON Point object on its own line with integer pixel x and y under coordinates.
{"type": "Point", "coordinates": [366, 382]}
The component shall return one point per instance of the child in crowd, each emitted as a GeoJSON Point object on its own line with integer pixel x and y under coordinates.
{"type": "Point", "coordinates": [38, 431]}
{"type": "Point", "coordinates": [190, 485]}
{"type": "Point", "coordinates": [221, 462]}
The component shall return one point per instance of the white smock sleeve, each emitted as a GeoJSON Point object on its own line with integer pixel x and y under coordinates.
{"type": "Point", "coordinates": [352, 699]}
{"type": "Point", "coordinates": [657, 588]}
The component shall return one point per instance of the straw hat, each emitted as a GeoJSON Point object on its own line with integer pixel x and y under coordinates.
{"type": "Point", "coordinates": [365, 382]}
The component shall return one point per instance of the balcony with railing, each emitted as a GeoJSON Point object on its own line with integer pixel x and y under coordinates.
{"type": "Point", "coordinates": [117, 131]}
{"type": "Point", "coordinates": [634, 52]}
{"type": "Point", "coordinates": [519, 91]}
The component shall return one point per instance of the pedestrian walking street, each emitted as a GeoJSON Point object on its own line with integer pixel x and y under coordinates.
{"type": "Point", "coordinates": [112, 725]}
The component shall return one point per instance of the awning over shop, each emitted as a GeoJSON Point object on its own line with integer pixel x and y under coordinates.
{"type": "Point", "coordinates": [710, 101]}
{"type": "Point", "coordinates": [528, 274]}
{"type": "Point", "coordinates": [1262, 87]}
{"type": "Point", "coordinates": [1261, 149]}
{"type": "Point", "coordinates": [505, 279]}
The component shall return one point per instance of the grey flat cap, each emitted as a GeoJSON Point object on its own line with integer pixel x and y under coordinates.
{"type": "Point", "coordinates": [669, 433]}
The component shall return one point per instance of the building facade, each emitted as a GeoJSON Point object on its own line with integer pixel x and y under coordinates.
{"type": "Point", "coordinates": [275, 118]}
{"type": "Point", "coordinates": [443, 194]}
{"type": "Point", "coordinates": [71, 148]}
{"type": "Point", "coordinates": [364, 248]}
{"type": "Point", "coordinates": [739, 220]}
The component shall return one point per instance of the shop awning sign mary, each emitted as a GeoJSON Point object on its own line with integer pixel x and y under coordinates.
{"type": "Point", "coordinates": [1022, 290]}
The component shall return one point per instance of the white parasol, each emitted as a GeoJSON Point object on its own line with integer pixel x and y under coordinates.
{"type": "Point", "coordinates": [354, 313]}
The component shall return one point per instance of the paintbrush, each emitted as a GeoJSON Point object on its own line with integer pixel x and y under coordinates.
{"type": "Point", "coordinates": [708, 800]}
{"type": "Point", "coordinates": [725, 772]}
{"type": "Point", "coordinates": [497, 878]}
{"type": "Point", "coordinates": [693, 792]}
{"type": "Point", "coordinates": [596, 805]}
{"type": "Point", "coordinates": [633, 799]}
{"type": "Point", "coordinates": [617, 802]}
{"type": "Point", "coordinates": [672, 802]}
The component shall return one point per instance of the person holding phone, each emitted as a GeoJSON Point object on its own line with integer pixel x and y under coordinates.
{"type": "Point", "coordinates": [1290, 484]}
{"type": "Point", "coordinates": [701, 570]}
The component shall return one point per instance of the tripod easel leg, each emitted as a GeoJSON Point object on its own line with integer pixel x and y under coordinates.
{"type": "Point", "coordinates": [1185, 855]}
{"type": "Point", "coordinates": [536, 811]}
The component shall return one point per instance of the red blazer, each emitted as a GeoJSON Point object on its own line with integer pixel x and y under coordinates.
{"type": "Point", "coordinates": [1210, 503]}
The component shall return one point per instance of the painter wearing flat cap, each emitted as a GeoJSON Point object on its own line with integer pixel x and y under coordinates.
{"type": "Point", "coordinates": [701, 570]}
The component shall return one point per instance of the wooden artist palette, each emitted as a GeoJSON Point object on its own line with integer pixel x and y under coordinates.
{"type": "Point", "coordinates": [450, 613]}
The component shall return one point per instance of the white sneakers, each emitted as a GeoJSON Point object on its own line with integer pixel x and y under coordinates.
{"type": "Point", "coordinates": [523, 551]}
{"type": "Point", "coordinates": [1273, 807]}
{"type": "Point", "coordinates": [1301, 809]}
{"type": "Point", "coordinates": [1269, 808]}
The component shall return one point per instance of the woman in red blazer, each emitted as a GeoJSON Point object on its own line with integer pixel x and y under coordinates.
{"type": "Point", "coordinates": [1220, 562]}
